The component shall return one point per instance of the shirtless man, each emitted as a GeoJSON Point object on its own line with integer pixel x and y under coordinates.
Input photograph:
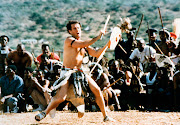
{"type": "Point", "coordinates": [4, 50]}
{"type": "Point", "coordinates": [163, 44]}
{"type": "Point", "coordinates": [74, 50]}
{"type": "Point", "coordinates": [20, 58]}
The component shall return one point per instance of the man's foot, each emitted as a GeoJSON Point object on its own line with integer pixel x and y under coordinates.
{"type": "Point", "coordinates": [107, 118]}
{"type": "Point", "coordinates": [52, 113]}
{"type": "Point", "coordinates": [40, 116]}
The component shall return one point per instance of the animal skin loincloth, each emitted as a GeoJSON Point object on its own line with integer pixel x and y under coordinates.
{"type": "Point", "coordinates": [75, 77]}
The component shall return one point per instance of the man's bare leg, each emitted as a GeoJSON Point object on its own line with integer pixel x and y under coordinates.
{"type": "Point", "coordinates": [99, 98]}
{"type": "Point", "coordinates": [98, 95]}
{"type": "Point", "coordinates": [56, 100]}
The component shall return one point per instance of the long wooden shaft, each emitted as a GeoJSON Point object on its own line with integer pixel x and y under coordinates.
{"type": "Point", "coordinates": [158, 48]}
{"type": "Point", "coordinates": [107, 20]}
{"type": "Point", "coordinates": [112, 83]}
{"type": "Point", "coordinates": [122, 49]}
{"type": "Point", "coordinates": [100, 57]}
{"type": "Point", "coordinates": [139, 26]}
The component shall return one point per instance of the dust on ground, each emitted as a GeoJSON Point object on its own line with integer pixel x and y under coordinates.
{"type": "Point", "coordinates": [131, 117]}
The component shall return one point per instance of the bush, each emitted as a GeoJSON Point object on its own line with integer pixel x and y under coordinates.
{"type": "Point", "coordinates": [37, 18]}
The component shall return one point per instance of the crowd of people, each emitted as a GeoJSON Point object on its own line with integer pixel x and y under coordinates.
{"type": "Point", "coordinates": [140, 77]}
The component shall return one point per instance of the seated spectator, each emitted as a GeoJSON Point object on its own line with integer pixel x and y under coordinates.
{"type": "Point", "coordinates": [57, 70]}
{"type": "Point", "coordinates": [37, 88]}
{"type": "Point", "coordinates": [150, 81]}
{"type": "Point", "coordinates": [102, 81]}
{"type": "Point", "coordinates": [164, 89]}
{"type": "Point", "coordinates": [46, 50]}
{"type": "Point", "coordinates": [46, 66]}
{"type": "Point", "coordinates": [11, 90]}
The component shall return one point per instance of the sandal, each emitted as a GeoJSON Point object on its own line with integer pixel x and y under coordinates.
{"type": "Point", "coordinates": [40, 116]}
{"type": "Point", "coordinates": [107, 118]}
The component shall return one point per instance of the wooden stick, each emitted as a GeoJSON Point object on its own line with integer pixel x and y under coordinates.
{"type": "Point", "coordinates": [107, 20]}
{"type": "Point", "coordinates": [158, 48]}
{"type": "Point", "coordinates": [112, 83]}
{"type": "Point", "coordinates": [139, 25]}
{"type": "Point", "coordinates": [53, 53]}
{"type": "Point", "coordinates": [100, 57]}
{"type": "Point", "coordinates": [160, 18]}
{"type": "Point", "coordinates": [122, 49]}
{"type": "Point", "coordinates": [161, 21]}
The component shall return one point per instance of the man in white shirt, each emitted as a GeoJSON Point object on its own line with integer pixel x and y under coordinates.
{"type": "Point", "coordinates": [144, 53]}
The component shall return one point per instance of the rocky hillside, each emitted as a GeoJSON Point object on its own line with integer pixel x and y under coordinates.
{"type": "Point", "coordinates": [46, 19]}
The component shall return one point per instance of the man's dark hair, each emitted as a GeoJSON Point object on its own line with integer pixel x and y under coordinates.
{"type": "Point", "coordinates": [44, 45]}
{"type": "Point", "coordinates": [13, 67]}
{"type": "Point", "coordinates": [21, 46]}
{"type": "Point", "coordinates": [68, 26]}
{"type": "Point", "coordinates": [2, 37]}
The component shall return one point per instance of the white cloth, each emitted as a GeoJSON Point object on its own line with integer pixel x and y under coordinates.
{"type": "Point", "coordinates": [148, 50]}
{"type": "Point", "coordinates": [5, 50]}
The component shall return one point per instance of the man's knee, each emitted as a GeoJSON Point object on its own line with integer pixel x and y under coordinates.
{"type": "Point", "coordinates": [58, 99]}
{"type": "Point", "coordinates": [12, 103]}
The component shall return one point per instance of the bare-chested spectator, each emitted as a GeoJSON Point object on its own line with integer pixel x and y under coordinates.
{"type": "Point", "coordinates": [4, 51]}
{"type": "Point", "coordinates": [164, 35]}
{"type": "Point", "coordinates": [103, 81]}
{"type": "Point", "coordinates": [20, 58]}
{"type": "Point", "coordinates": [46, 50]}
{"type": "Point", "coordinates": [37, 88]}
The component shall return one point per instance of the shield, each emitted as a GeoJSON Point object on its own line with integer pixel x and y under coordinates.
{"type": "Point", "coordinates": [162, 61]}
{"type": "Point", "coordinates": [114, 38]}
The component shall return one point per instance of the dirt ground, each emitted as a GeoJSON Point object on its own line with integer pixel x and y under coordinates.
{"type": "Point", "coordinates": [131, 117]}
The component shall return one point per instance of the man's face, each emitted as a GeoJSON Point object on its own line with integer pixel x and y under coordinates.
{"type": "Point", "coordinates": [152, 36]}
{"type": "Point", "coordinates": [163, 36]}
{"type": "Point", "coordinates": [39, 75]}
{"type": "Point", "coordinates": [114, 67]}
{"type": "Point", "coordinates": [75, 31]}
{"type": "Point", "coordinates": [57, 69]}
{"type": "Point", "coordinates": [4, 41]}
{"type": "Point", "coordinates": [45, 50]}
{"type": "Point", "coordinates": [9, 72]}
{"type": "Point", "coordinates": [130, 35]}
{"type": "Point", "coordinates": [27, 74]}
{"type": "Point", "coordinates": [140, 46]}
{"type": "Point", "coordinates": [20, 50]}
